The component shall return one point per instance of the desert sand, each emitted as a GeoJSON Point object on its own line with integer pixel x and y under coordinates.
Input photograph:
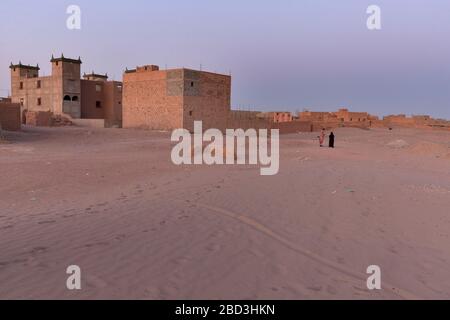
{"type": "Point", "coordinates": [139, 227]}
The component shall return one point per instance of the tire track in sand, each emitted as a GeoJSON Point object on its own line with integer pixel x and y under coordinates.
{"type": "Point", "coordinates": [404, 294]}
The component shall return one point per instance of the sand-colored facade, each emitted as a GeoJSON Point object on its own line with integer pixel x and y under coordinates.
{"type": "Point", "coordinates": [65, 93]}
{"type": "Point", "coordinates": [415, 121]}
{"type": "Point", "coordinates": [170, 99]}
{"type": "Point", "coordinates": [157, 99]}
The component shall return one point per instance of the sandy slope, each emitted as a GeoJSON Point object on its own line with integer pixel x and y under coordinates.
{"type": "Point", "coordinates": [111, 202]}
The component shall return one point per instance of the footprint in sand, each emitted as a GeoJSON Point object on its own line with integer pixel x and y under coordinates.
{"type": "Point", "coordinates": [96, 244]}
{"type": "Point", "coordinates": [101, 204]}
{"type": "Point", "coordinates": [214, 247]}
{"type": "Point", "coordinates": [95, 282]}
{"type": "Point", "coordinates": [331, 290]}
{"type": "Point", "coordinates": [315, 288]}
{"type": "Point", "coordinates": [120, 237]}
{"type": "Point", "coordinates": [46, 221]}
{"type": "Point", "coordinates": [37, 250]}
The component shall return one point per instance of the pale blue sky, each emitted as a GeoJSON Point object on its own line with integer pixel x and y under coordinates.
{"type": "Point", "coordinates": [285, 55]}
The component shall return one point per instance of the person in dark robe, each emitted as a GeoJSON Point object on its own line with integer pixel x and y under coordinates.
{"type": "Point", "coordinates": [331, 141]}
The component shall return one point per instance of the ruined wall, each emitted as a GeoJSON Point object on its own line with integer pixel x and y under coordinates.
{"type": "Point", "coordinates": [10, 116]}
{"type": "Point", "coordinates": [38, 118]}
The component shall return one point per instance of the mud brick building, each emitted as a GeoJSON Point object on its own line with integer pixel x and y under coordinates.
{"type": "Point", "coordinates": [171, 99]}
{"type": "Point", "coordinates": [65, 93]}
{"type": "Point", "coordinates": [9, 115]}
{"type": "Point", "coordinates": [277, 116]}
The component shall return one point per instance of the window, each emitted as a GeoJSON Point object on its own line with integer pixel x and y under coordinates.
{"type": "Point", "coordinates": [190, 113]}
{"type": "Point", "coordinates": [39, 101]}
{"type": "Point", "coordinates": [120, 102]}
{"type": "Point", "coordinates": [192, 83]}
{"type": "Point", "coordinates": [74, 98]}
{"type": "Point", "coordinates": [98, 104]}
{"type": "Point", "coordinates": [119, 88]}
{"type": "Point", "coordinates": [66, 98]}
{"type": "Point", "coordinates": [21, 85]}
{"type": "Point", "coordinates": [98, 88]}
{"type": "Point", "coordinates": [38, 84]}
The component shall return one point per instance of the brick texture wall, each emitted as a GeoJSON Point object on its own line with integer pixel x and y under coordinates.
{"type": "Point", "coordinates": [172, 99]}
{"type": "Point", "coordinates": [10, 116]}
{"type": "Point", "coordinates": [152, 100]}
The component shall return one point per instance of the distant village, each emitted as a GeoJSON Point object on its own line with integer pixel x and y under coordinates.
{"type": "Point", "coordinates": [150, 98]}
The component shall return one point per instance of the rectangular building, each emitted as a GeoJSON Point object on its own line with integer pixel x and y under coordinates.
{"type": "Point", "coordinates": [171, 99]}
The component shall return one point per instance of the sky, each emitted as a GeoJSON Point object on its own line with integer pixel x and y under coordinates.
{"type": "Point", "coordinates": [285, 55]}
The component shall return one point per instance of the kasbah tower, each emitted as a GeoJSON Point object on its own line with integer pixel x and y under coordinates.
{"type": "Point", "coordinates": [65, 93]}
{"type": "Point", "coordinates": [47, 93]}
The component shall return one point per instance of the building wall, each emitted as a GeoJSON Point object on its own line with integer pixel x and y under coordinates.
{"type": "Point", "coordinates": [113, 103]}
{"type": "Point", "coordinates": [90, 96]}
{"type": "Point", "coordinates": [152, 100]}
{"type": "Point", "coordinates": [10, 116]}
{"type": "Point", "coordinates": [247, 120]}
{"type": "Point", "coordinates": [277, 116]}
{"type": "Point", "coordinates": [36, 93]}
{"type": "Point", "coordinates": [293, 126]}
{"type": "Point", "coordinates": [64, 93]}
{"type": "Point", "coordinates": [67, 83]}
{"type": "Point", "coordinates": [347, 116]}
{"type": "Point", "coordinates": [175, 98]}
{"type": "Point", "coordinates": [207, 97]}
{"type": "Point", "coordinates": [26, 92]}
{"type": "Point", "coordinates": [315, 116]}
{"type": "Point", "coordinates": [102, 99]}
